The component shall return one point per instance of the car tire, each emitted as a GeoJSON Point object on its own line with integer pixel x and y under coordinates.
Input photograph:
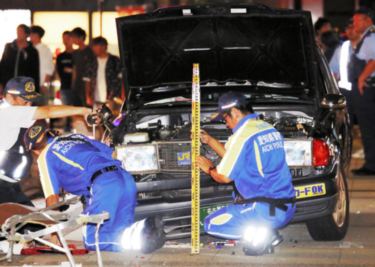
{"type": "Point", "coordinates": [334, 226]}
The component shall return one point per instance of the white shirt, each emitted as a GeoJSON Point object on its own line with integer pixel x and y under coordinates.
{"type": "Point", "coordinates": [46, 66]}
{"type": "Point", "coordinates": [12, 119]}
{"type": "Point", "coordinates": [101, 85]}
{"type": "Point", "coordinates": [334, 63]}
{"type": "Point", "coordinates": [345, 54]}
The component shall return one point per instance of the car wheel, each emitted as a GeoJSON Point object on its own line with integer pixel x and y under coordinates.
{"type": "Point", "coordinates": [334, 226]}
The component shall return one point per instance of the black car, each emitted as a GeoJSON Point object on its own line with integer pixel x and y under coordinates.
{"type": "Point", "coordinates": [271, 56]}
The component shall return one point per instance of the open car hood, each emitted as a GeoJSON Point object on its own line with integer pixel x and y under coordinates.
{"type": "Point", "coordinates": [240, 43]}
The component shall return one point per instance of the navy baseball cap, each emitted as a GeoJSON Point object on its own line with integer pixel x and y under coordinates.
{"type": "Point", "coordinates": [365, 11]}
{"type": "Point", "coordinates": [23, 87]}
{"type": "Point", "coordinates": [34, 135]}
{"type": "Point", "coordinates": [226, 102]}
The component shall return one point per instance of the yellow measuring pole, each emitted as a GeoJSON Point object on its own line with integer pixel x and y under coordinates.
{"type": "Point", "coordinates": [195, 186]}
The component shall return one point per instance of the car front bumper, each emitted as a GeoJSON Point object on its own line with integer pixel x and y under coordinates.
{"type": "Point", "coordinates": [178, 212]}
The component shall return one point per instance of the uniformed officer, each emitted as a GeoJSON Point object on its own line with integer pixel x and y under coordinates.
{"type": "Point", "coordinates": [254, 159]}
{"type": "Point", "coordinates": [339, 65]}
{"type": "Point", "coordinates": [16, 115]}
{"type": "Point", "coordinates": [361, 74]}
{"type": "Point", "coordinates": [83, 166]}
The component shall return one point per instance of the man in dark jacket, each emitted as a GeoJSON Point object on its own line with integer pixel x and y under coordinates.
{"type": "Point", "coordinates": [82, 57]}
{"type": "Point", "coordinates": [103, 76]}
{"type": "Point", "coordinates": [20, 58]}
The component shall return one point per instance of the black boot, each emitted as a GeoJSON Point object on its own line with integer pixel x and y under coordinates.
{"type": "Point", "coordinates": [153, 236]}
{"type": "Point", "coordinates": [265, 247]}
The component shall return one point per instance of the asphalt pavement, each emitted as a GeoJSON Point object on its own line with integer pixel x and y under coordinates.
{"type": "Point", "coordinates": [298, 248]}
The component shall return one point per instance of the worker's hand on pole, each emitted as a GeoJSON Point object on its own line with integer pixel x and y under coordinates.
{"type": "Point", "coordinates": [204, 163]}
{"type": "Point", "coordinates": [204, 136]}
{"type": "Point", "coordinates": [212, 142]}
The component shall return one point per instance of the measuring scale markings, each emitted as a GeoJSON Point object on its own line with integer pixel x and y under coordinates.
{"type": "Point", "coordinates": [195, 187]}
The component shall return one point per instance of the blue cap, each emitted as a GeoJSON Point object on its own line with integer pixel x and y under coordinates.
{"type": "Point", "coordinates": [228, 101]}
{"type": "Point", "coordinates": [23, 87]}
{"type": "Point", "coordinates": [365, 11]}
{"type": "Point", "coordinates": [34, 135]}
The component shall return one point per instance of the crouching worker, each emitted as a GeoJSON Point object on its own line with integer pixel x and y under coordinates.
{"type": "Point", "coordinates": [85, 167]}
{"type": "Point", "coordinates": [254, 159]}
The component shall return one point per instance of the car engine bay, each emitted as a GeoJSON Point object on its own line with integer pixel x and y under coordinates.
{"type": "Point", "coordinates": [177, 126]}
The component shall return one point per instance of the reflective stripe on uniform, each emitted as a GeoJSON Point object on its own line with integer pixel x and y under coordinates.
{"type": "Point", "coordinates": [237, 143]}
{"type": "Point", "coordinates": [44, 174]}
{"type": "Point", "coordinates": [68, 161]}
{"type": "Point", "coordinates": [257, 157]}
{"type": "Point", "coordinates": [221, 219]}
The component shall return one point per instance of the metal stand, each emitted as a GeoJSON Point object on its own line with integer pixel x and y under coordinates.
{"type": "Point", "coordinates": [55, 222]}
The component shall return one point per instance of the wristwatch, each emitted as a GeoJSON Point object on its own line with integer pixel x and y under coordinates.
{"type": "Point", "coordinates": [211, 169]}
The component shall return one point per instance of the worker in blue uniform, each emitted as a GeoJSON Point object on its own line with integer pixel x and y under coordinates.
{"type": "Point", "coordinates": [254, 160]}
{"type": "Point", "coordinates": [361, 73]}
{"type": "Point", "coordinates": [83, 166]}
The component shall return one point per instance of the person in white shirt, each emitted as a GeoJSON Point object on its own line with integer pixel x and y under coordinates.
{"type": "Point", "coordinates": [16, 115]}
{"type": "Point", "coordinates": [46, 66]}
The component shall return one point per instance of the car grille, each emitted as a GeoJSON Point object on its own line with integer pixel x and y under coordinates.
{"type": "Point", "coordinates": [168, 155]}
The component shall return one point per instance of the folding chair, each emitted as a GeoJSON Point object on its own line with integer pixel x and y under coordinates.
{"type": "Point", "coordinates": [14, 216]}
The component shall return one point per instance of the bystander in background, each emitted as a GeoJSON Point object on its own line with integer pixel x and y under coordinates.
{"type": "Point", "coordinates": [46, 66]}
{"type": "Point", "coordinates": [331, 44]}
{"type": "Point", "coordinates": [20, 58]}
{"type": "Point", "coordinates": [82, 57]}
{"type": "Point", "coordinates": [103, 76]}
{"type": "Point", "coordinates": [321, 25]}
{"type": "Point", "coordinates": [64, 68]}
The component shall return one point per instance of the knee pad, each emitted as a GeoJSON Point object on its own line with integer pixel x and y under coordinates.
{"type": "Point", "coordinates": [260, 240]}
{"type": "Point", "coordinates": [146, 235]}
{"type": "Point", "coordinates": [153, 240]}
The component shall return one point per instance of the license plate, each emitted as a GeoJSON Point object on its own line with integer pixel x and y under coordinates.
{"type": "Point", "coordinates": [205, 211]}
{"type": "Point", "coordinates": [310, 190]}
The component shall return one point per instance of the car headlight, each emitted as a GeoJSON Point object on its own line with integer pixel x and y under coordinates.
{"type": "Point", "coordinates": [139, 158]}
{"type": "Point", "coordinates": [298, 153]}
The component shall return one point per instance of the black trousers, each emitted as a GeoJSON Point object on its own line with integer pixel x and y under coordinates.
{"type": "Point", "coordinates": [364, 106]}
{"type": "Point", "coordinates": [78, 98]}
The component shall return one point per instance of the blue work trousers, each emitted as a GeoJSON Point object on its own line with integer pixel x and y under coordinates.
{"type": "Point", "coordinates": [231, 222]}
{"type": "Point", "coordinates": [113, 192]}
